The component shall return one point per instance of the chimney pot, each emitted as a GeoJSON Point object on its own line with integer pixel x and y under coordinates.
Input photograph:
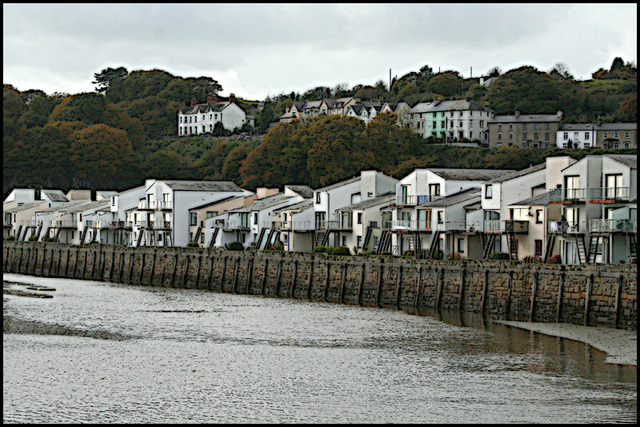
{"type": "Point", "coordinates": [194, 101]}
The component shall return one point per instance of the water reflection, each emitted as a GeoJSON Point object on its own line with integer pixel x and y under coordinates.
{"type": "Point", "coordinates": [194, 356]}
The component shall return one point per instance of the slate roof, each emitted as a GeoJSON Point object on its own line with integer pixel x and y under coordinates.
{"type": "Point", "coordinates": [214, 203]}
{"type": "Point", "coordinates": [454, 105]}
{"type": "Point", "coordinates": [86, 206]}
{"type": "Point", "coordinates": [55, 195]}
{"type": "Point", "coordinates": [386, 198]}
{"type": "Point", "coordinates": [469, 174]}
{"type": "Point", "coordinates": [65, 206]}
{"type": "Point", "coordinates": [618, 126]}
{"type": "Point", "coordinates": [264, 203]}
{"type": "Point", "coordinates": [453, 199]}
{"type": "Point", "coordinates": [526, 118]}
{"type": "Point", "coordinates": [339, 184]}
{"type": "Point", "coordinates": [517, 174]}
{"type": "Point", "coordinates": [300, 206]}
{"type": "Point", "coordinates": [302, 190]}
{"type": "Point", "coordinates": [629, 160]}
{"type": "Point", "coordinates": [202, 185]}
{"type": "Point", "coordinates": [25, 206]}
{"type": "Point", "coordinates": [539, 200]}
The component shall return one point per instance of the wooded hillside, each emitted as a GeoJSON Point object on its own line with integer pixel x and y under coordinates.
{"type": "Point", "coordinates": [124, 132]}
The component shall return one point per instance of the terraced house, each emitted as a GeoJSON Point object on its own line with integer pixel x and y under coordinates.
{"type": "Point", "coordinates": [524, 130]}
{"type": "Point", "coordinates": [452, 121]}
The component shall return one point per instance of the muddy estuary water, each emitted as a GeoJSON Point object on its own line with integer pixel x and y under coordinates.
{"type": "Point", "coordinates": [107, 353]}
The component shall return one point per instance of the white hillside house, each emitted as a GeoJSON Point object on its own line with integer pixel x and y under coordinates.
{"type": "Point", "coordinates": [201, 118]}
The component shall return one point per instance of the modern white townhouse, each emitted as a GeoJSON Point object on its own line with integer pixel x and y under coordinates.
{"type": "Point", "coordinates": [199, 216]}
{"type": "Point", "coordinates": [329, 199]}
{"type": "Point", "coordinates": [598, 196]}
{"type": "Point", "coordinates": [497, 227]}
{"type": "Point", "coordinates": [452, 121]}
{"type": "Point", "coordinates": [162, 216]}
{"type": "Point", "coordinates": [18, 222]}
{"type": "Point", "coordinates": [359, 224]}
{"type": "Point", "coordinates": [19, 196]}
{"type": "Point", "coordinates": [202, 118]}
{"type": "Point", "coordinates": [446, 219]}
{"type": "Point", "coordinates": [255, 221]}
{"type": "Point", "coordinates": [296, 226]}
{"type": "Point", "coordinates": [71, 225]}
{"type": "Point", "coordinates": [114, 225]}
{"type": "Point", "coordinates": [407, 226]}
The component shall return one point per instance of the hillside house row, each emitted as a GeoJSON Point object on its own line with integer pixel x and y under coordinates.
{"type": "Point", "coordinates": [583, 211]}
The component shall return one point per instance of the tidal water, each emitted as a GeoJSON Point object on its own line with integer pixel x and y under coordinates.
{"type": "Point", "coordinates": [107, 353]}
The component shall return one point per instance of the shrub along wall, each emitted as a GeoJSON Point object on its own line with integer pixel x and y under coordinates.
{"type": "Point", "coordinates": [593, 294]}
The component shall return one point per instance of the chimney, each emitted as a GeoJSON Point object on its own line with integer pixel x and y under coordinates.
{"type": "Point", "coordinates": [232, 97]}
{"type": "Point", "coordinates": [517, 114]}
{"type": "Point", "coordinates": [212, 99]}
{"type": "Point", "coordinates": [194, 101]}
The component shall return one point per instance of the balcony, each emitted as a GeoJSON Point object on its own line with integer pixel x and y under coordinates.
{"type": "Point", "coordinates": [231, 225]}
{"type": "Point", "coordinates": [609, 194]}
{"type": "Point", "coordinates": [458, 226]}
{"type": "Point", "coordinates": [568, 195]}
{"type": "Point", "coordinates": [566, 227]}
{"type": "Point", "coordinates": [613, 226]}
{"type": "Point", "coordinates": [28, 223]}
{"type": "Point", "coordinates": [155, 225]}
{"type": "Point", "coordinates": [327, 225]}
{"type": "Point", "coordinates": [293, 225]}
{"type": "Point", "coordinates": [154, 205]}
{"type": "Point", "coordinates": [493, 226]}
{"type": "Point", "coordinates": [517, 227]}
{"type": "Point", "coordinates": [415, 199]}
{"type": "Point", "coordinates": [64, 223]}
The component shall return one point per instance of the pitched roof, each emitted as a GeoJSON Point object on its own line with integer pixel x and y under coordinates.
{"type": "Point", "coordinates": [214, 203]}
{"type": "Point", "coordinates": [382, 199]}
{"type": "Point", "coordinates": [264, 203]}
{"type": "Point", "coordinates": [300, 206]}
{"type": "Point", "coordinates": [539, 200]}
{"type": "Point", "coordinates": [202, 185]}
{"type": "Point", "coordinates": [459, 104]}
{"type": "Point", "coordinates": [81, 207]}
{"type": "Point", "coordinates": [469, 174]}
{"type": "Point", "coordinates": [526, 118]}
{"type": "Point", "coordinates": [302, 190]}
{"type": "Point", "coordinates": [629, 160]}
{"type": "Point", "coordinates": [522, 172]}
{"type": "Point", "coordinates": [453, 199]}
{"type": "Point", "coordinates": [55, 195]}
{"type": "Point", "coordinates": [64, 207]}
{"type": "Point", "coordinates": [339, 184]}
{"type": "Point", "coordinates": [25, 206]}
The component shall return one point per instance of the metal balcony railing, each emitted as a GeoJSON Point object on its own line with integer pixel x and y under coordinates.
{"type": "Point", "coordinates": [64, 223]}
{"type": "Point", "coordinates": [468, 226]}
{"type": "Point", "coordinates": [28, 222]}
{"type": "Point", "coordinates": [609, 194]}
{"type": "Point", "coordinates": [493, 226]}
{"type": "Point", "coordinates": [232, 225]}
{"type": "Point", "coordinates": [155, 225]}
{"type": "Point", "coordinates": [568, 227]}
{"type": "Point", "coordinates": [154, 204]}
{"type": "Point", "coordinates": [415, 199]}
{"type": "Point", "coordinates": [566, 195]}
{"type": "Point", "coordinates": [326, 225]}
{"type": "Point", "coordinates": [612, 226]}
{"type": "Point", "coordinates": [293, 225]}
{"type": "Point", "coordinates": [516, 226]}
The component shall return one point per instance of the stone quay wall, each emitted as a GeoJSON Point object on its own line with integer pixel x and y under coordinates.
{"type": "Point", "coordinates": [594, 294]}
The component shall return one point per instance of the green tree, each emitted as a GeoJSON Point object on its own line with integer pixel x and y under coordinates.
{"type": "Point", "coordinates": [108, 77]}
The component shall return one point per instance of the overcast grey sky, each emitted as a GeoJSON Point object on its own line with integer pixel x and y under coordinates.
{"type": "Point", "coordinates": [258, 49]}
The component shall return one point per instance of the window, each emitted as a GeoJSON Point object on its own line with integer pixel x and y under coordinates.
{"type": "Point", "coordinates": [565, 135]}
{"type": "Point", "coordinates": [519, 214]}
{"type": "Point", "coordinates": [440, 217]}
{"type": "Point", "coordinates": [344, 240]}
{"type": "Point", "coordinates": [195, 119]}
{"type": "Point", "coordinates": [461, 245]}
{"type": "Point", "coordinates": [546, 126]}
{"type": "Point", "coordinates": [201, 237]}
{"type": "Point", "coordinates": [359, 242]}
{"type": "Point", "coordinates": [317, 198]}
{"type": "Point", "coordinates": [434, 190]}
{"type": "Point", "coordinates": [499, 127]}
{"type": "Point", "coordinates": [546, 136]}
{"type": "Point", "coordinates": [359, 218]}
{"type": "Point", "coordinates": [539, 216]}
{"type": "Point", "coordinates": [538, 247]}
{"type": "Point", "coordinates": [535, 136]}
{"type": "Point", "coordinates": [488, 191]}
{"type": "Point", "coordinates": [586, 136]}
{"type": "Point", "coordinates": [535, 126]}
{"type": "Point", "coordinates": [524, 136]}
{"type": "Point", "coordinates": [72, 234]}
{"type": "Point", "coordinates": [510, 136]}
{"type": "Point", "coordinates": [615, 134]}
{"type": "Point", "coordinates": [255, 218]}
{"type": "Point", "coordinates": [524, 126]}
{"type": "Point", "coordinates": [499, 136]}
{"type": "Point", "coordinates": [626, 134]}
{"type": "Point", "coordinates": [605, 134]}
{"type": "Point", "coordinates": [194, 218]}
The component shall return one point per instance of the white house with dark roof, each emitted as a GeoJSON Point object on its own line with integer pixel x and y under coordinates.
{"type": "Point", "coordinates": [201, 118]}
{"type": "Point", "coordinates": [452, 120]}
{"type": "Point", "coordinates": [328, 199]}
{"type": "Point", "coordinates": [20, 196]}
{"type": "Point", "coordinates": [406, 225]}
{"type": "Point", "coordinates": [358, 224]}
{"type": "Point", "coordinates": [162, 215]}
{"type": "Point", "coordinates": [598, 195]}
{"type": "Point", "coordinates": [255, 221]}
